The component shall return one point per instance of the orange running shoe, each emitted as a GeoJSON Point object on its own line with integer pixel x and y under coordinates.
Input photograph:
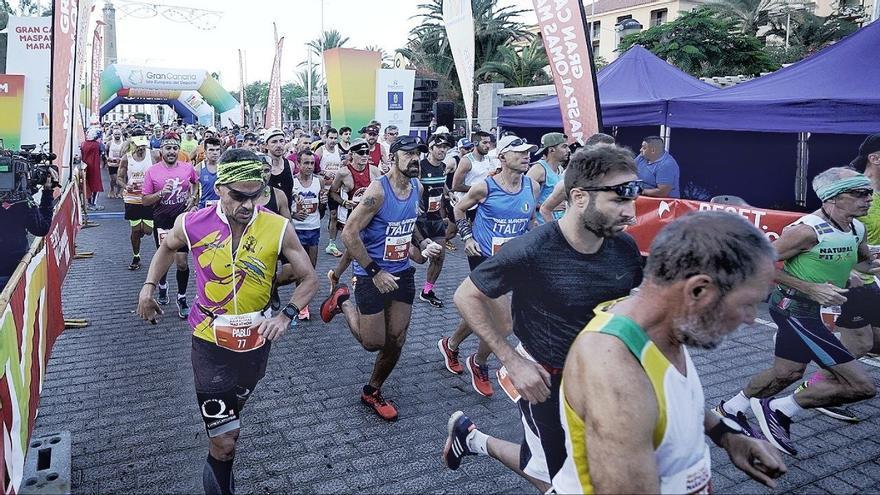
{"type": "Point", "coordinates": [332, 306]}
{"type": "Point", "coordinates": [384, 408]}
{"type": "Point", "coordinates": [479, 377]}
{"type": "Point", "coordinates": [450, 357]}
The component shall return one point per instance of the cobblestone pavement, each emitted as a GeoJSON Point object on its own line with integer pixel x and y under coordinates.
{"type": "Point", "coordinates": [124, 390]}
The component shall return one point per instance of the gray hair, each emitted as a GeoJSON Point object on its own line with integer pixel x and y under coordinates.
{"type": "Point", "coordinates": [832, 175]}
{"type": "Point", "coordinates": [722, 245]}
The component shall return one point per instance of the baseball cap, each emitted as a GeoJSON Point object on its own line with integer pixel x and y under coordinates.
{"type": "Point", "coordinates": [869, 146]}
{"type": "Point", "coordinates": [369, 129]}
{"type": "Point", "coordinates": [441, 140]}
{"type": "Point", "coordinates": [139, 141]}
{"type": "Point", "coordinates": [514, 143]}
{"type": "Point", "coordinates": [359, 144]}
{"type": "Point", "coordinates": [551, 139]}
{"type": "Point", "coordinates": [211, 129]}
{"type": "Point", "coordinates": [274, 131]}
{"type": "Point", "coordinates": [409, 143]}
{"type": "Point", "coordinates": [441, 130]}
{"type": "Point", "coordinates": [465, 143]}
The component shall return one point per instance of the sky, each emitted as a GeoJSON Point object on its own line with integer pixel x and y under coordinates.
{"type": "Point", "coordinates": [247, 25]}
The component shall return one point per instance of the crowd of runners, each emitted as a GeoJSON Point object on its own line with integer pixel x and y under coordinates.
{"type": "Point", "coordinates": [601, 332]}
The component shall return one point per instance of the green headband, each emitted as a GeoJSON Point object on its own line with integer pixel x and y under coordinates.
{"type": "Point", "coordinates": [247, 170]}
{"type": "Point", "coordinates": [843, 185]}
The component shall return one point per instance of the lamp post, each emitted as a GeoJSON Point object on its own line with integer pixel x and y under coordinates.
{"type": "Point", "coordinates": [625, 28]}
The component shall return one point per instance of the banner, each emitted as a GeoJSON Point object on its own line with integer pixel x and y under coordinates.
{"type": "Point", "coordinates": [11, 102]}
{"type": "Point", "coordinates": [351, 85]}
{"type": "Point", "coordinates": [273, 104]}
{"type": "Point", "coordinates": [241, 99]}
{"type": "Point", "coordinates": [62, 110]}
{"type": "Point", "coordinates": [563, 29]}
{"type": "Point", "coordinates": [28, 52]}
{"type": "Point", "coordinates": [652, 214]}
{"type": "Point", "coordinates": [458, 18]}
{"type": "Point", "coordinates": [97, 66]}
{"type": "Point", "coordinates": [394, 93]}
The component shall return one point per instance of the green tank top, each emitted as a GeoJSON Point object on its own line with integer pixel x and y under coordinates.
{"type": "Point", "coordinates": [832, 258]}
{"type": "Point", "coordinates": [872, 221]}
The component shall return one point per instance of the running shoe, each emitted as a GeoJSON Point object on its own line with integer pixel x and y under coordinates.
{"type": "Point", "coordinates": [430, 297]}
{"type": "Point", "coordinates": [384, 408]}
{"type": "Point", "coordinates": [450, 246]}
{"type": "Point", "coordinates": [450, 357]}
{"type": "Point", "coordinates": [775, 426]}
{"type": "Point", "coordinates": [740, 419]}
{"type": "Point", "coordinates": [456, 447]}
{"type": "Point", "coordinates": [479, 377]}
{"type": "Point", "coordinates": [275, 299]}
{"type": "Point", "coordinates": [182, 308]}
{"type": "Point", "coordinates": [163, 296]}
{"type": "Point", "coordinates": [331, 276]}
{"type": "Point", "coordinates": [332, 306]}
{"type": "Point", "coordinates": [304, 314]}
{"type": "Point", "coordinates": [333, 250]}
{"type": "Point", "coordinates": [135, 263]}
{"type": "Point", "coordinates": [841, 413]}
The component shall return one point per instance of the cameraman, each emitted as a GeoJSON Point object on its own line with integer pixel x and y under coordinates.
{"type": "Point", "coordinates": [19, 218]}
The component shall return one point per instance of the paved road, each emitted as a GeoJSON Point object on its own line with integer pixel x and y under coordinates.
{"type": "Point", "coordinates": [124, 390]}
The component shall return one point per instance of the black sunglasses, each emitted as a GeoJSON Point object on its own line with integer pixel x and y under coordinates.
{"type": "Point", "coordinates": [242, 196]}
{"type": "Point", "coordinates": [627, 190]}
{"type": "Point", "coordinates": [860, 193]}
{"type": "Point", "coordinates": [361, 152]}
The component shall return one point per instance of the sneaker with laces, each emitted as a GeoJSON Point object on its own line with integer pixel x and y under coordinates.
{"type": "Point", "coordinates": [450, 357]}
{"type": "Point", "coordinates": [384, 408]}
{"type": "Point", "coordinates": [304, 314]}
{"type": "Point", "coordinates": [182, 308]}
{"type": "Point", "coordinates": [331, 276]}
{"type": "Point", "coordinates": [479, 377]}
{"type": "Point", "coordinates": [836, 412]}
{"type": "Point", "coordinates": [332, 250]}
{"type": "Point", "coordinates": [450, 246]}
{"type": "Point", "coordinates": [456, 447]}
{"type": "Point", "coordinates": [775, 426]}
{"type": "Point", "coordinates": [332, 306]}
{"type": "Point", "coordinates": [430, 297]}
{"type": "Point", "coordinates": [135, 263]}
{"type": "Point", "coordinates": [739, 418]}
{"type": "Point", "coordinates": [163, 296]}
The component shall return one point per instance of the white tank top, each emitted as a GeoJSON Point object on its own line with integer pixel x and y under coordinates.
{"type": "Point", "coordinates": [135, 172]}
{"type": "Point", "coordinates": [479, 171]}
{"type": "Point", "coordinates": [330, 162]}
{"type": "Point", "coordinates": [114, 151]}
{"type": "Point", "coordinates": [306, 199]}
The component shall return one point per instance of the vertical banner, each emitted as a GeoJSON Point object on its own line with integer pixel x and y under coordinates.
{"type": "Point", "coordinates": [97, 66]}
{"type": "Point", "coordinates": [62, 113]}
{"type": "Point", "coordinates": [458, 18]}
{"type": "Point", "coordinates": [241, 100]}
{"type": "Point", "coordinates": [563, 29]}
{"type": "Point", "coordinates": [11, 102]}
{"type": "Point", "coordinates": [273, 105]}
{"type": "Point", "coordinates": [351, 85]}
{"type": "Point", "coordinates": [394, 93]}
{"type": "Point", "coordinates": [28, 52]}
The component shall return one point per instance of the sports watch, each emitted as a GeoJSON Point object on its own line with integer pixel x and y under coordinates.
{"type": "Point", "coordinates": [290, 311]}
{"type": "Point", "coordinates": [725, 425]}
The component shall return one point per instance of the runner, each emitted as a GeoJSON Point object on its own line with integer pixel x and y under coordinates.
{"type": "Point", "coordinates": [377, 155]}
{"type": "Point", "coordinates": [345, 139]}
{"type": "Point", "coordinates": [132, 169]}
{"type": "Point", "coordinates": [556, 200]}
{"type": "Point", "coordinates": [189, 144]}
{"type": "Point", "coordinates": [331, 154]}
{"type": "Point", "coordinates": [504, 210]}
{"type": "Point", "coordinates": [431, 220]}
{"type": "Point", "coordinates": [206, 194]}
{"type": "Point", "coordinates": [282, 173]}
{"type": "Point", "coordinates": [472, 168]}
{"type": "Point", "coordinates": [557, 274]}
{"type": "Point", "coordinates": [168, 186]}
{"type": "Point", "coordinates": [378, 237]}
{"type": "Point", "coordinates": [463, 147]}
{"type": "Point", "coordinates": [228, 356]}
{"type": "Point", "coordinates": [156, 138]}
{"type": "Point", "coordinates": [819, 250]}
{"type": "Point", "coordinates": [306, 219]}
{"type": "Point", "coordinates": [548, 172]}
{"type": "Point", "coordinates": [115, 150]}
{"type": "Point", "coordinates": [631, 367]}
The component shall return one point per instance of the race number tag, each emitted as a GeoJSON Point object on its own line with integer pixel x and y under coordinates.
{"type": "Point", "coordinates": [696, 479]}
{"type": "Point", "coordinates": [308, 205]}
{"type": "Point", "coordinates": [162, 233]}
{"type": "Point", "coordinates": [434, 204]}
{"type": "Point", "coordinates": [497, 242]}
{"type": "Point", "coordinates": [397, 247]}
{"type": "Point", "coordinates": [238, 332]}
{"type": "Point", "coordinates": [504, 378]}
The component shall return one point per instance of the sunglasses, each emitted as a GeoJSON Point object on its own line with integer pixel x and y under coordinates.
{"type": "Point", "coordinates": [241, 196]}
{"type": "Point", "coordinates": [514, 144]}
{"type": "Point", "coordinates": [861, 193]}
{"type": "Point", "coordinates": [627, 190]}
{"type": "Point", "coordinates": [361, 152]}
{"type": "Point", "coordinates": [392, 133]}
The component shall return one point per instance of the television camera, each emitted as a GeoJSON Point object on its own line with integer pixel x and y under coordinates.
{"type": "Point", "coordinates": [22, 172]}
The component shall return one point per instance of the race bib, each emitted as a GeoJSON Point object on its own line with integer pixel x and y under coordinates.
{"type": "Point", "coordinates": [504, 378]}
{"type": "Point", "coordinates": [238, 332]}
{"type": "Point", "coordinates": [308, 205]}
{"type": "Point", "coordinates": [434, 203]}
{"type": "Point", "coordinates": [397, 247]}
{"type": "Point", "coordinates": [497, 242]}
{"type": "Point", "coordinates": [162, 234]}
{"type": "Point", "coordinates": [696, 479]}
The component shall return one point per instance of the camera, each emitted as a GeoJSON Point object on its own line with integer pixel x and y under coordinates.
{"type": "Point", "coordinates": [22, 172]}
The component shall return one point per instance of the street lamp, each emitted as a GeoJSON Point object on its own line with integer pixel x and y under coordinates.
{"type": "Point", "coordinates": [626, 27]}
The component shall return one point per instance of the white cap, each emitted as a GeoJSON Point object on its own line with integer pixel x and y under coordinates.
{"type": "Point", "coordinates": [442, 130]}
{"type": "Point", "coordinates": [515, 143]}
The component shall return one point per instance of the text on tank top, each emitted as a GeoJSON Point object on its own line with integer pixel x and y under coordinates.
{"type": "Point", "coordinates": [114, 151]}
{"type": "Point", "coordinates": [306, 200]}
{"type": "Point", "coordinates": [832, 258]}
{"type": "Point", "coordinates": [433, 181]}
{"type": "Point", "coordinates": [503, 216]}
{"type": "Point", "coordinates": [388, 235]}
{"type": "Point", "coordinates": [135, 178]}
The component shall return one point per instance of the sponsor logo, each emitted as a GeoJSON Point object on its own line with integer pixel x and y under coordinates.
{"type": "Point", "coordinates": [169, 76]}
{"type": "Point", "coordinates": [215, 409]}
{"type": "Point", "coordinates": [663, 208]}
{"type": "Point", "coordinates": [526, 207]}
{"type": "Point", "coordinates": [4, 87]}
{"type": "Point", "coordinates": [136, 77]}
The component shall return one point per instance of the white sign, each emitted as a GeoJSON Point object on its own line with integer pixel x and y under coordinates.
{"type": "Point", "coordinates": [458, 17]}
{"type": "Point", "coordinates": [394, 92]}
{"type": "Point", "coordinates": [29, 52]}
{"type": "Point", "coordinates": [159, 78]}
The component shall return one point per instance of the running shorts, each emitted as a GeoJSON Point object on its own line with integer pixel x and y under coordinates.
{"type": "Point", "coordinates": [224, 380]}
{"type": "Point", "coordinates": [805, 338]}
{"type": "Point", "coordinates": [309, 238]}
{"type": "Point", "coordinates": [862, 307]}
{"type": "Point", "coordinates": [542, 451]}
{"type": "Point", "coordinates": [475, 261]}
{"type": "Point", "coordinates": [370, 301]}
{"type": "Point", "coordinates": [112, 170]}
{"type": "Point", "coordinates": [332, 205]}
{"type": "Point", "coordinates": [431, 229]}
{"type": "Point", "coordinates": [138, 212]}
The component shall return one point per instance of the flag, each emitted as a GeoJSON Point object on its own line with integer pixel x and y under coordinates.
{"type": "Point", "coordinates": [241, 85]}
{"type": "Point", "coordinates": [273, 106]}
{"type": "Point", "coordinates": [458, 18]}
{"type": "Point", "coordinates": [97, 67]}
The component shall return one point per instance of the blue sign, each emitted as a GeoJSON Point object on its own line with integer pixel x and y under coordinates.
{"type": "Point", "coordinates": [395, 100]}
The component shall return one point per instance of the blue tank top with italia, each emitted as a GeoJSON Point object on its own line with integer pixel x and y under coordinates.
{"type": "Point", "coordinates": [388, 235]}
{"type": "Point", "coordinates": [551, 178]}
{"type": "Point", "coordinates": [503, 215]}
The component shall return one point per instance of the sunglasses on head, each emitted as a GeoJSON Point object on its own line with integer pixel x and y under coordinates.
{"type": "Point", "coordinates": [627, 190]}
{"type": "Point", "coordinates": [242, 196]}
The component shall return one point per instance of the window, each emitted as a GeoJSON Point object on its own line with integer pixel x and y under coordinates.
{"type": "Point", "coordinates": [597, 26]}
{"type": "Point", "coordinates": [595, 47]}
{"type": "Point", "coordinates": [623, 18]}
{"type": "Point", "coordinates": [658, 17]}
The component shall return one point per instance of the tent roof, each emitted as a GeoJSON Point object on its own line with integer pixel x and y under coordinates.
{"type": "Point", "coordinates": [632, 91]}
{"type": "Point", "coordinates": [833, 91]}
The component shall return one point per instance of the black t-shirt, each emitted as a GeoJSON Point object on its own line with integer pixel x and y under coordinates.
{"type": "Point", "coordinates": [284, 181]}
{"type": "Point", "coordinates": [556, 288]}
{"type": "Point", "coordinates": [433, 181]}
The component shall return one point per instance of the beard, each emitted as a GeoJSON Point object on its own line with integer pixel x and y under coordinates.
{"type": "Point", "coordinates": [701, 330]}
{"type": "Point", "coordinates": [600, 224]}
{"type": "Point", "coordinates": [412, 170]}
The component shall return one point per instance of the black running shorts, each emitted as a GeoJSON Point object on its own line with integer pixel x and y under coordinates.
{"type": "Point", "coordinates": [224, 380]}
{"type": "Point", "coordinates": [138, 212]}
{"type": "Point", "coordinates": [475, 261]}
{"type": "Point", "coordinates": [803, 339]}
{"type": "Point", "coordinates": [542, 451]}
{"type": "Point", "coordinates": [862, 307]}
{"type": "Point", "coordinates": [370, 301]}
{"type": "Point", "coordinates": [431, 229]}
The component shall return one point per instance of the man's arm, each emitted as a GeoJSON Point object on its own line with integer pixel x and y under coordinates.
{"type": "Point", "coordinates": [756, 458]}
{"type": "Point", "coordinates": [661, 191]}
{"type": "Point", "coordinates": [122, 173]}
{"type": "Point", "coordinates": [358, 220]}
{"type": "Point", "coordinates": [338, 182]}
{"type": "Point", "coordinates": [536, 172]}
{"type": "Point", "coordinates": [536, 190]}
{"type": "Point", "coordinates": [283, 205]}
{"type": "Point", "coordinates": [148, 308]}
{"type": "Point", "coordinates": [303, 273]}
{"type": "Point", "coordinates": [464, 166]}
{"type": "Point", "coordinates": [554, 200]}
{"type": "Point", "coordinates": [476, 194]}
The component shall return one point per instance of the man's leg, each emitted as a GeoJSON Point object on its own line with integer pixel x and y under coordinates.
{"type": "Point", "coordinates": [435, 265]}
{"type": "Point", "coordinates": [181, 258]}
{"type": "Point", "coordinates": [397, 319]}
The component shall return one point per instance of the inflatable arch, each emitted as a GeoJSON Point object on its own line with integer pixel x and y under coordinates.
{"type": "Point", "coordinates": [193, 94]}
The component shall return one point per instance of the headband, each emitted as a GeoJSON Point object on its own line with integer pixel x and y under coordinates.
{"type": "Point", "coordinates": [247, 170]}
{"type": "Point", "coordinates": [843, 185]}
{"type": "Point", "coordinates": [169, 141]}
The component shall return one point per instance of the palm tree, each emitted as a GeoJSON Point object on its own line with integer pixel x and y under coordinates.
{"type": "Point", "coordinates": [750, 15]}
{"type": "Point", "coordinates": [518, 69]}
{"type": "Point", "coordinates": [383, 56]}
{"type": "Point", "coordinates": [329, 39]}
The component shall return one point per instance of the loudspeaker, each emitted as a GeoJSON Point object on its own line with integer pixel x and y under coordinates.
{"type": "Point", "coordinates": [444, 112]}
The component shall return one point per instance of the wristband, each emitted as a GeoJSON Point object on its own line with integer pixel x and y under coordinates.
{"type": "Point", "coordinates": [150, 283]}
{"type": "Point", "coordinates": [373, 269]}
{"type": "Point", "coordinates": [722, 428]}
{"type": "Point", "coordinates": [464, 229]}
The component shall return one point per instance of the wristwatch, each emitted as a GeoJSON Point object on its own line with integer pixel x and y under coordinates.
{"type": "Point", "coordinates": [726, 425]}
{"type": "Point", "coordinates": [290, 311]}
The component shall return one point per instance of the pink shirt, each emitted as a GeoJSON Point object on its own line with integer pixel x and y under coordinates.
{"type": "Point", "coordinates": [181, 176]}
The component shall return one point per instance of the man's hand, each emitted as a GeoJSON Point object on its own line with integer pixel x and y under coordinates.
{"type": "Point", "coordinates": [148, 308]}
{"type": "Point", "coordinates": [855, 281]}
{"type": "Point", "coordinates": [471, 248]}
{"type": "Point", "coordinates": [51, 179]}
{"type": "Point", "coordinates": [166, 189]}
{"type": "Point", "coordinates": [530, 379]}
{"type": "Point", "coordinates": [385, 282]}
{"type": "Point", "coordinates": [432, 250]}
{"type": "Point", "coordinates": [756, 458]}
{"type": "Point", "coordinates": [827, 294]}
{"type": "Point", "coordinates": [299, 215]}
{"type": "Point", "coordinates": [273, 328]}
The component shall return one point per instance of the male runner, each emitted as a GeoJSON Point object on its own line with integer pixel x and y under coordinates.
{"type": "Point", "coordinates": [473, 167]}
{"type": "Point", "coordinates": [378, 237]}
{"type": "Point", "coordinates": [345, 139]}
{"type": "Point", "coordinates": [331, 155]}
{"type": "Point", "coordinates": [282, 173]}
{"type": "Point", "coordinates": [548, 170]}
{"type": "Point", "coordinates": [167, 185]}
{"type": "Point", "coordinates": [631, 402]}
{"type": "Point", "coordinates": [555, 201]}
{"type": "Point", "coordinates": [206, 194]}
{"type": "Point", "coordinates": [430, 222]}
{"type": "Point", "coordinates": [116, 148]}
{"type": "Point", "coordinates": [305, 217]}
{"type": "Point", "coordinates": [819, 250]}
{"type": "Point", "coordinates": [232, 329]}
{"type": "Point", "coordinates": [189, 143]}
{"type": "Point", "coordinates": [391, 133]}
{"type": "Point", "coordinates": [557, 273]}
{"type": "Point", "coordinates": [156, 138]}
{"type": "Point", "coordinates": [132, 169]}
{"type": "Point", "coordinates": [376, 154]}
{"type": "Point", "coordinates": [463, 147]}
{"type": "Point", "coordinates": [505, 207]}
